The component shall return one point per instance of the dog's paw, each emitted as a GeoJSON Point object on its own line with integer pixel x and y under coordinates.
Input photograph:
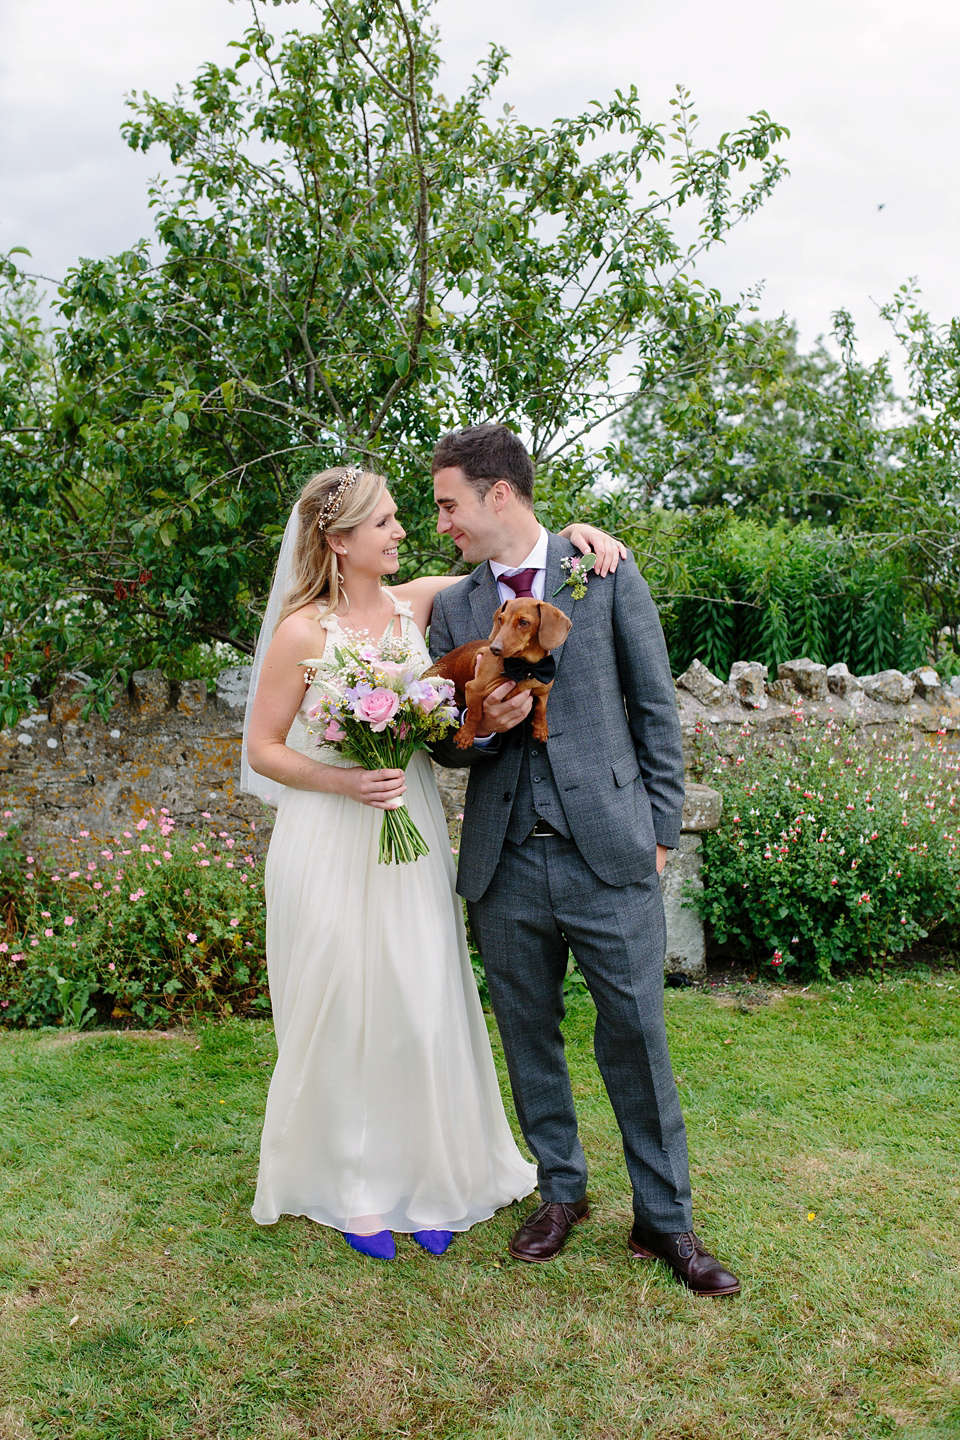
{"type": "Point", "coordinates": [463, 738]}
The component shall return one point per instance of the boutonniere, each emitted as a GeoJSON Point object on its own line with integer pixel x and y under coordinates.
{"type": "Point", "coordinates": [576, 568]}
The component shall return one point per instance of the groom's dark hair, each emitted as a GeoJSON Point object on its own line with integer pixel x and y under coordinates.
{"type": "Point", "coordinates": [486, 454]}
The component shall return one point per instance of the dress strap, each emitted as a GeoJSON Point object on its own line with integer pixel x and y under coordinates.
{"type": "Point", "coordinates": [328, 622]}
{"type": "Point", "coordinates": [400, 607]}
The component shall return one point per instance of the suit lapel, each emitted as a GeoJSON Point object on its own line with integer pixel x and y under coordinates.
{"type": "Point", "coordinates": [484, 600]}
{"type": "Point", "coordinates": [553, 579]}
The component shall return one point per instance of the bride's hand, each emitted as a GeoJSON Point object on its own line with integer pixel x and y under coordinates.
{"type": "Point", "coordinates": [381, 789]}
{"type": "Point", "coordinates": [609, 552]}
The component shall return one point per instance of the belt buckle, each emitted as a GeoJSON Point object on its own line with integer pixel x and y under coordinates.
{"type": "Point", "coordinates": [542, 830]}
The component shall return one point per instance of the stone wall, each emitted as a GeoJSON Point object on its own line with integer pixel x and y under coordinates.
{"type": "Point", "coordinates": [686, 943]}
{"type": "Point", "coordinates": [178, 746]}
{"type": "Point", "coordinates": [873, 704]}
{"type": "Point", "coordinates": [161, 745]}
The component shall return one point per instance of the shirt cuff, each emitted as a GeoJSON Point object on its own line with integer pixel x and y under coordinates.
{"type": "Point", "coordinates": [481, 741]}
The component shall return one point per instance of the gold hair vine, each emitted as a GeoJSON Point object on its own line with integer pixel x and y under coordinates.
{"type": "Point", "coordinates": [331, 510]}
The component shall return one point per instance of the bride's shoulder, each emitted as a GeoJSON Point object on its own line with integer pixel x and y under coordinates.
{"type": "Point", "coordinates": [303, 630]}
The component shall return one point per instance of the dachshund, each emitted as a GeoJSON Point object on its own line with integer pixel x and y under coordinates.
{"type": "Point", "coordinates": [524, 632]}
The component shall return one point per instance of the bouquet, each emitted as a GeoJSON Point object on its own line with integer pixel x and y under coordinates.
{"type": "Point", "coordinates": [377, 711]}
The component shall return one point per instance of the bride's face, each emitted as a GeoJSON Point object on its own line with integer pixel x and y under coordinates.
{"type": "Point", "coordinates": [371, 549]}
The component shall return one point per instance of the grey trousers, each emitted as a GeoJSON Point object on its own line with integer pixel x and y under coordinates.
{"type": "Point", "coordinates": [543, 899]}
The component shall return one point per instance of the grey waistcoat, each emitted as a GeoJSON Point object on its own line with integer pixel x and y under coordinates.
{"type": "Point", "coordinates": [536, 792]}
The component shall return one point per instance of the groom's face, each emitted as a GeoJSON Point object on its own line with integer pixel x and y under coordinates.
{"type": "Point", "coordinates": [475, 525]}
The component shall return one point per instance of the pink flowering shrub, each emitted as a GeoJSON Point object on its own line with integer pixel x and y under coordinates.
{"type": "Point", "coordinates": [833, 851]}
{"type": "Point", "coordinates": [24, 884]}
{"type": "Point", "coordinates": [149, 927]}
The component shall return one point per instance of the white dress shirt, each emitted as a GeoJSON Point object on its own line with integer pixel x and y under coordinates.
{"type": "Point", "coordinates": [536, 560]}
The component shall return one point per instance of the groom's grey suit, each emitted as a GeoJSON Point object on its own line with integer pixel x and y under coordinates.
{"type": "Point", "coordinates": [610, 782]}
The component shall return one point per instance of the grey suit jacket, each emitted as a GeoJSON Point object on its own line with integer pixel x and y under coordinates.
{"type": "Point", "coordinates": [615, 744]}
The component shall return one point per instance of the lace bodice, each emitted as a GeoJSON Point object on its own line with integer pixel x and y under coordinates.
{"type": "Point", "coordinates": [298, 737]}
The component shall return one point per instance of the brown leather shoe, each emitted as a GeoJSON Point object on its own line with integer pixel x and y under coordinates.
{"type": "Point", "coordinates": [542, 1234]}
{"type": "Point", "coordinates": [688, 1258]}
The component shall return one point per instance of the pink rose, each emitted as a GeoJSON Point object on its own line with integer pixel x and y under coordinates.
{"type": "Point", "coordinates": [334, 732]}
{"type": "Point", "coordinates": [378, 708]}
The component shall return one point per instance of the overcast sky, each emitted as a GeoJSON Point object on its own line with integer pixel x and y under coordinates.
{"type": "Point", "coordinates": [868, 88]}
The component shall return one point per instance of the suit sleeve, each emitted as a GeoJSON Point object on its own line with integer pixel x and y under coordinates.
{"type": "Point", "coordinates": [440, 641]}
{"type": "Point", "coordinates": [444, 752]}
{"type": "Point", "coordinates": [650, 698]}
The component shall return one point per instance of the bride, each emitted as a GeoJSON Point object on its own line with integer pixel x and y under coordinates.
{"type": "Point", "coordinates": [384, 1112]}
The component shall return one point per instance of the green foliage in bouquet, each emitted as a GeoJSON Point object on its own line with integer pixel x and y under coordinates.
{"type": "Point", "coordinates": [152, 927]}
{"type": "Point", "coordinates": [832, 854]}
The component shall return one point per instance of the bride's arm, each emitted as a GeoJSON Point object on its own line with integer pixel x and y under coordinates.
{"type": "Point", "coordinates": [422, 592]}
{"type": "Point", "coordinates": [278, 698]}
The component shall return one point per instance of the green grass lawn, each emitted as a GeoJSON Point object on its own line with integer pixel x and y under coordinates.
{"type": "Point", "coordinates": [140, 1300]}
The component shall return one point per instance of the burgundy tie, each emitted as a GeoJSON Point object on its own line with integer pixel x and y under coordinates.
{"type": "Point", "coordinates": [522, 583]}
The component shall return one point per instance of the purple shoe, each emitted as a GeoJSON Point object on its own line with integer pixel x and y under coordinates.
{"type": "Point", "coordinates": [436, 1241]}
{"type": "Point", "coordinates": [379, 1245]}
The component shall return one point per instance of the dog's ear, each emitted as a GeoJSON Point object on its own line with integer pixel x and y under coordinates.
{"type": "Point", "coordinates": [498, 620]}
{"type": "Point", "coordinates": [554, 626]}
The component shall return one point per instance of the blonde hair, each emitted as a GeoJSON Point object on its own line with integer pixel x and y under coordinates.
{"type": "Point", "coordinates": [315, 572]}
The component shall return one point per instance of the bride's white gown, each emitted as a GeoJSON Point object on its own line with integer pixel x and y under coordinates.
{"type": "Point", "coordinates": [384, 1101]}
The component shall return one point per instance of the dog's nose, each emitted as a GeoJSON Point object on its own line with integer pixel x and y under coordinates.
{"type": "Point", "coordinates": [496, 648]}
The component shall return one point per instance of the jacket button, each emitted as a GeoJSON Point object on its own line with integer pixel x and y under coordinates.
{"type": "Point", "coordinates": [508, 794]}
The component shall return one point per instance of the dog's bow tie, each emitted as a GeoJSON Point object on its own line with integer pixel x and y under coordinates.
{"type": "Point", "coordinates": [516, 668]}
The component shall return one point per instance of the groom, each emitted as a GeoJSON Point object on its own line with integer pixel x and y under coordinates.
{"type": "Point", "coordinates": [561, 849]}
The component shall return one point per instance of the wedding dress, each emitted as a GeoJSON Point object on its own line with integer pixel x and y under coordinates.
{"type": "Point", "coordinates": [384, 1103]}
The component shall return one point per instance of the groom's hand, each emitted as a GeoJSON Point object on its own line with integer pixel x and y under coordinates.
{"type": "Point", "coordinates": [500, 714]}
